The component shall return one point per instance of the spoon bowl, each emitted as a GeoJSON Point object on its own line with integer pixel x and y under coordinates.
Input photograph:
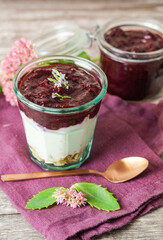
{"type": "Point", "coordinates": [125, 169]}
{"type": "Point", "coordinates": [119, 171]}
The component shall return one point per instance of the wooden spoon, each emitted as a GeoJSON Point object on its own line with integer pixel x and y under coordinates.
{"type": "Point", "coordinates": [119, 171]}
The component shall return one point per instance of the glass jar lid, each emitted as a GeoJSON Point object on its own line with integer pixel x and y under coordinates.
{"type": "Point", "coordinates": [63, 39]}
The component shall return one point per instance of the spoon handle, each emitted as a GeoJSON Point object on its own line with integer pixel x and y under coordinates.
{"type": "Point", "coordinates": [30, 176]}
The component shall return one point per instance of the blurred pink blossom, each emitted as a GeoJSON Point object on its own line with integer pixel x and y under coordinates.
{"type": "Point", "coordinates": [9, 93]}
{"type": "Point", "coordinates": [22, 52]}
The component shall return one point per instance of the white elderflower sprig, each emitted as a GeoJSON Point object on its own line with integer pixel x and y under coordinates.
{"type": "Point", "coordinates": [59, 79]}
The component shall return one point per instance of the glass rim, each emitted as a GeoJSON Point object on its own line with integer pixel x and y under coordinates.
{"type": "Point", "coordinates": [148, 23]}
{"type": "Point", "coordinates": [79, 62]}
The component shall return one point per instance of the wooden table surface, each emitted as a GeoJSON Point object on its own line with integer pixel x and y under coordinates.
{"type": "Point", "coordinates": [20, 18]}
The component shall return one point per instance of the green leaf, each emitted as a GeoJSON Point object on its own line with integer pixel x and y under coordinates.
{"type": "Point", "coordinates": [95, 60]}
{"type": "Point", "coordinates": [52, 80]}
{"type": "Point", "coordinates": [0, 89]}
{"type": "Point", "coordinates": [56, 95]}
{"type": "Point", "coordinates": [56, 77]}
{"type": "Point", "coordinates": [84, 55]}
{"type": "Point", "coordinates": [55, 71]}
{"type": "Point", "coordinates": [42, 200]}
{"type": "Point", "coordinates": [98, 196]}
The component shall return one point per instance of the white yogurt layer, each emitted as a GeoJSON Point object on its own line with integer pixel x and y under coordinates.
{"type": "Point", "coordinates": [53, 145]}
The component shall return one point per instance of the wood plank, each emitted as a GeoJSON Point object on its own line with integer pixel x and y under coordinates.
{"type": "Point", "coordinates": [28, 19]}
{"type": "Point", "coordinates": [5, 205]}
{"type": "Point", "coordinates": [15, 227]}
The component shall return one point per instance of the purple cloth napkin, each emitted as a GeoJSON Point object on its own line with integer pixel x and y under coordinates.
{"type": "Point", "coordinates": [122, 130]}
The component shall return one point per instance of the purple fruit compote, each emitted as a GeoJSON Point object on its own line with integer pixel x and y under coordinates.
{"type": "Point", "coordinates": [60, 112]}
{"type": "Point", "coordinates": [133, 62]}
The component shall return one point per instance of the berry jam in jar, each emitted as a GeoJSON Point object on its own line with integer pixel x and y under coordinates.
{"type": "Point", "coordinates": [132, 57]}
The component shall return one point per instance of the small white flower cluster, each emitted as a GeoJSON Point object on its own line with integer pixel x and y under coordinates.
{"type": "Point", "coordinates": [60, 79]}
{"type": "Point", "coordinates": [69, 197]}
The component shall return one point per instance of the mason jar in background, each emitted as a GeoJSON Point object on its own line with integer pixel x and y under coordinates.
{"type": "Point", "coordinates": [131, 75]}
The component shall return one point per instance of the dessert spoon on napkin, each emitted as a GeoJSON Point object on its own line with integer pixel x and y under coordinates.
{"type": "Point", "coordinates": [119, 171]}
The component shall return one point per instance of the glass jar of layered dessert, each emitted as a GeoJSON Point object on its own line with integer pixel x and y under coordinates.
{"type": "Point", "coordinates": [132, 57]}
{"type": "Point", "coordinates": [59, 98]}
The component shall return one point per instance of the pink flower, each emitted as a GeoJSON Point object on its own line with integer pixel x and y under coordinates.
{"type": "Point", "coordinates": [3, 76]}
{"type": "Point", "coordinates": [69, 197]}
{"type": "Point", "coordinates": [22, 52]}
{"type": "Point", "coordinates": [9, 93]}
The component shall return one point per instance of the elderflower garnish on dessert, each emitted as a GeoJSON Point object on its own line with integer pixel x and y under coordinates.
{"type": "Point", "coordinates": [59, 80]}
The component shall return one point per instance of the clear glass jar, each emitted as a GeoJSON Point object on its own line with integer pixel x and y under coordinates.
{"type": "Point", "coordinates": [131, 75]}
{"type": "Point", "coordinates": [68, 145]}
